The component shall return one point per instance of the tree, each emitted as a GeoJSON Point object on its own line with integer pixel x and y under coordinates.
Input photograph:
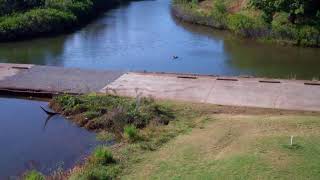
{"type": "Point", "coordinates": [295, 8]}
{"type": "Point", "coordinates": [10, 6]}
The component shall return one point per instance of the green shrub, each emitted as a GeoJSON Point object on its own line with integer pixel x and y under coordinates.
{"type": "Point", "coordinates": [112, 112]}
{"type": "Point", "coordinates": [220, 6]}
{"type": "Point", "coordinates": [304, 35]}
{"type": "Point", "coordinates": [131, 132]}
{"type": "Point", "coordinates": [103, 156]}
{"type": "Point", "coordinates": [219, 14]}
{"type": "Point", "coordinates": [282, 28]}
{"type": "Point", "coordinates": [35, 22]}
{"type": "Point", "coordinates": [29, 18]}
{"type": "Point", "coordinates": [34, 175]}
{"type": "Point", "coordinates": [309, 36]}
{"type": "Point", "coordinates": [246, 26]}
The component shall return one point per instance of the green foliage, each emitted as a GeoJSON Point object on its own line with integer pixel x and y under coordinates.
{"type": "Point", "coordinates": [282, 27]}
{"type": "Point", "coordinates": [295, 8]}
{"type": "Point", "coordinates": [308, 36]}
{"type": "Point", "coordinates": [113, 112]}
{"type": "Point", "coordinates": [11, 6]}
{"type": "Point", "coordinates": [245, 25]}
{"type": "Point", "coordinates": [295, 22]}
{"type": "Point", "coordinates": [29, 18]}
{"type": "Point", "coordinates": [304, 35]}
{"type": "Point", "coordinates": [103, 156]}
{"type": "Point", "coordinates": [131, 132]}
{"type": "Point", "coordinates": [219, 13]}
{"type": "Point", "coordinates": [35, 22]}
{"type": "Point", "coordinates": [34, 175]}
{"type": "Point", "coordinates": [220, 7]}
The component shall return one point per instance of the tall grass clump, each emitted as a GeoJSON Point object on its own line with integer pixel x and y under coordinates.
{"type": "Point", "coordinates": [219, 14]}
{"type": "Point", "coordinates": [247, 26]}
{"type": "Point", "coordinates": [112, 113]}
{"type": "Point", "coordinates": [34, 175]}
{"type": "Point", "coordinates": [103, 156]}
{"type": "Point", "coordinates": [131, 133]}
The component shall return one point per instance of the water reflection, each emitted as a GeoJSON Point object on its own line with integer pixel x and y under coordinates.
{"type": "Point", "coordinates": [144, 36]}
{"type": "Point", "coordinates": [260, 59]}
{"type": "Point", "coordinates": [30, 139]}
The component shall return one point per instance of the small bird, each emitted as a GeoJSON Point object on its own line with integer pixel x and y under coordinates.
{"type": "Point", "coordinates": [50, 113]}
{"type": "Point", "coordinates": [175, 57]}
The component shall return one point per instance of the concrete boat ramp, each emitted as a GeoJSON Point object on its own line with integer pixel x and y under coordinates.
{"type": "Point", "coordinates": [233, 91]}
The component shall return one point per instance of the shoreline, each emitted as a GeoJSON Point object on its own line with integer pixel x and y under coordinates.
{"type": "Point", "coordinates": [60, 22]}
{"type": "Point", "coordinates": [260, 34]}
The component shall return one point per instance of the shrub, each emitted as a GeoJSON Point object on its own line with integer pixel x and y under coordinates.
{"type": "Point", "coordinates": [29, 18]}
{"type": "Point", "coordinates": [103, 156]}
{"type": "Point", "coordinates": [309, 36]}
{"type": "Point", "coordinates": [305, 35]}
{"type": "Point", "coordinates": [295, 8]}
{"type": "Point", "coordinates": [131, 132]}
{"type": "Point", "coordinates": [282, 28]}
{"type": "Point", "coordinates": [246, 26]}
{"type": "Point", "coordinates": [35, 22]}
{"type": "Point", "coordinates": [34, 175]}
{"type": "Point", "coordinates": [112, 112]}
{"type": "Point", "coordinates": [219, 14]}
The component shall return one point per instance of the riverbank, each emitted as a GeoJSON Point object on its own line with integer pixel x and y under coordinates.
{"type": "Point", "coordinates": [50, 18]}
{"type": "Point", "coordinates": [240, 18]}
{"type": "Point", "coordinates": [221, 138]}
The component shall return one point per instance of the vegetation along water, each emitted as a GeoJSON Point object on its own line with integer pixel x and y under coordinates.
{"type": "Point", "coordinates": [30, 18]}
{"type": "Point", "coordinates": [100, 136]}
{"type": "Point", "coordinates": [174, 140]}
{"type": "Point", "coordinates": [295, 22]}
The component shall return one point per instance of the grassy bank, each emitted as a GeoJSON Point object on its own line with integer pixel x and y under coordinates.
{"type": "Point", "coordinates": [192, 141]}
{"type": "Point", "coordinates": [28, 19]}
{"type": "Point", "coordinates": [242, 18]}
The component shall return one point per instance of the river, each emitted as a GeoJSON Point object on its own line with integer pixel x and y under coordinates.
{"type": "Point", "coordinates": [143, 36]}
{"type": "Point", "coordinates": [31, 140]}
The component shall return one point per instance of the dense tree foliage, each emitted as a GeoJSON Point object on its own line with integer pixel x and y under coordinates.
{"type": "Point", "coordinates": [10, 6]}
{"type": "Point", "coordinates": [296, 8]}
{"type": "Point", "coordinates": [28, 18]}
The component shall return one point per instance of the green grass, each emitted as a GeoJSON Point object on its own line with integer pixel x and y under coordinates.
{"type": "Point", "coordinates": [102, 155]}
{"type": "Point", "coordinates": [212, 153]}
{"type": "Point", "coordinates": [303, 156]}
{"type": "Point", "coordinates": [111, 112]}
{"type": "Point", "coordinates": [150, 139]}
{"type": "Point", "coordinates": [34, 175]}
{"type": "Point", "coordinates": [198, 143]}
{"type": "Point", "coordinates": [131, 133]}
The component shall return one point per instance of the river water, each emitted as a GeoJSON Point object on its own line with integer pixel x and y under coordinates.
{"type": "Point", "coordinates": [143, 35]}
{"type": "Point", "coordinates": [29, 140]}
